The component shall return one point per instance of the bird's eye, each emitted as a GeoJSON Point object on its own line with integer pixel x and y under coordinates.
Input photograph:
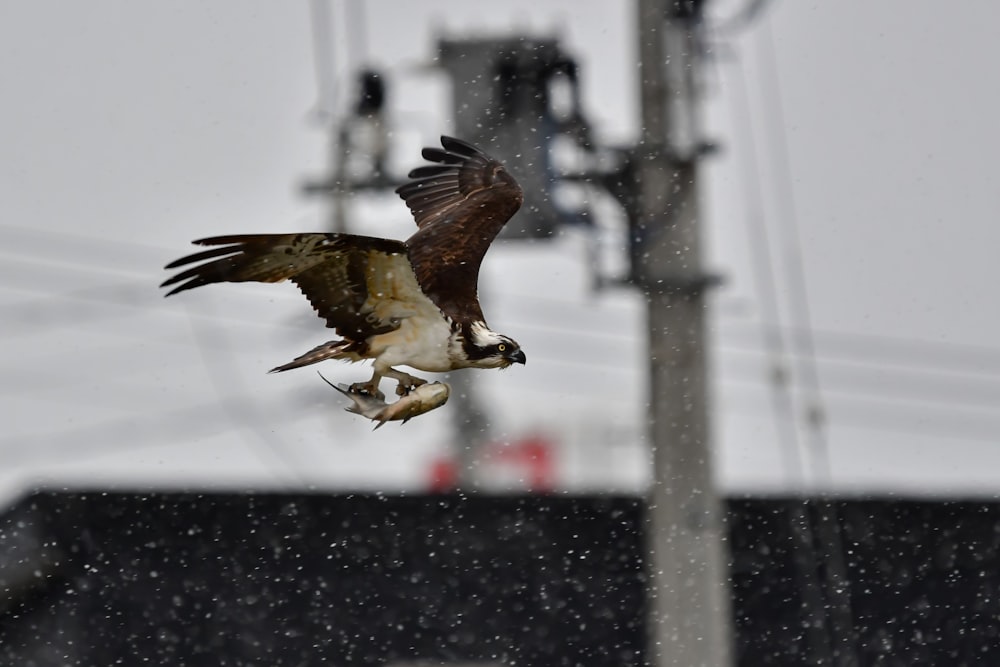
{"type": "Point", "coordinates": [501, 347]}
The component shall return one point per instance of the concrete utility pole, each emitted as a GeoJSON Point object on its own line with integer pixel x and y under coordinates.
{"type": "Point", "coordinates": [501, 102]}
{"type": "Point", "coordinates": [690, 621]}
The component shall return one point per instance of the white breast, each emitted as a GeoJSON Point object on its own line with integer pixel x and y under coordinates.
{"type": "Point", "coordinates": [419, 342]}
{"type": "Point", "coordinates": [424, 337]}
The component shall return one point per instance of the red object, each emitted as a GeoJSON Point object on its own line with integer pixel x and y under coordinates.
{"type": "Point", "coordinates": [531, 456]}
{"type": "Point", "coordinates": [444, 476]}
{"type": "Point", "coordinates": [534, 455]}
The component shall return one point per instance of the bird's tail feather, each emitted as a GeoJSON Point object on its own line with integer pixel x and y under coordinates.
{"type": "Point", "coordinates": [332, 350]}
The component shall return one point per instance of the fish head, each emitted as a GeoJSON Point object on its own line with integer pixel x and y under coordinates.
{"type": "Point", "coordinates": [417, 401]}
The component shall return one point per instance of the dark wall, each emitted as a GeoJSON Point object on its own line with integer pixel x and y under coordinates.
{"type": "Point", "coordinates": [923, 582]}
{"type": "Point", "coordinates": [326, 580]}
{"type": "Point", "coordinates": [104, 579]}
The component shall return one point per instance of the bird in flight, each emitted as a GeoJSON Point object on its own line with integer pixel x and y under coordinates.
{"type": "Point", "coordinates": [412, 303]}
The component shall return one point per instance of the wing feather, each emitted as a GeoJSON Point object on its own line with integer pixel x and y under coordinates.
{"type": "Point", "coordinates": [427, 172]}
{"type": "Point", "coordinates": [446, 189]}
{"type": "Point", "coordinates": [460, 205]}
{"type": "Point", "coordinates": [443, 156]}
{"type": "Point", "coordinates": [333, 271]}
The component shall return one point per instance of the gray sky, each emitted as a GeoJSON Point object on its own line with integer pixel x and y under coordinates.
{"type": "Point", "coordinates": [130, 128]}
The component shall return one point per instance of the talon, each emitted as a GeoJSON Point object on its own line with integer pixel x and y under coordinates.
{"type": "Point", "coordinates": [367, 388]}
{"type": "Point", "coordinates": [408, 384]}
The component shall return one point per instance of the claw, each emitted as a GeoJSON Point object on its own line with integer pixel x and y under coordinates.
{"type": "Point", "coordinates": [367, 388]}
{"type": "Point", "coordinates": [408, 384]}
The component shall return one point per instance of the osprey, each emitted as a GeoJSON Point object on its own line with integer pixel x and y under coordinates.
{"type": "Point", "coordinates": [410, 304]}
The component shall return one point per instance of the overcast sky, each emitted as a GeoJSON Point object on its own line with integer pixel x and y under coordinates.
{"type": "Point", "coordinates": [856, 139]}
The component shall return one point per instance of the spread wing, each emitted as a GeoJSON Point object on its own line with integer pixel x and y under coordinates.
{"type": "Point", "coordinates": [460, 205]}
{"type": "Point", "coordinates": [360, 285]}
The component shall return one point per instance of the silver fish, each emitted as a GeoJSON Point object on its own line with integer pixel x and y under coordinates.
{"type": "Point", "coordinates": [419, 400]}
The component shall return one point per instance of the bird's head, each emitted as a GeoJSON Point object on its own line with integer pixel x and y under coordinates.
{"type": "Point", "coordinates": [489, 349]}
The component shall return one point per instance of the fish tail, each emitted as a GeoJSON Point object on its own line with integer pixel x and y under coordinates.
{"type": "Point", "coordinates": [363, 404]}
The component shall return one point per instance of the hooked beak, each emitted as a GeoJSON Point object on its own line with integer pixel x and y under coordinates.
{"type": "Point", "coordinates": [518, 357]}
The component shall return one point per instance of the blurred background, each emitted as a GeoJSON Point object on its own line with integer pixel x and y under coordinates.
{"type": "Point", "coordinates": [848, 203]}
{"type": "Point", "coordinates": [852, 140]}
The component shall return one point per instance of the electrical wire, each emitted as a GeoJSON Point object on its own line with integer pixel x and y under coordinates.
{"type": "Point", "coordinates": [840, 614]}
{"type": "Point", "coordinates": [918, 388]}
{"type": "Point", "coordinates": [782, 402]}
{"type": "Point", "coordinates": [324, 60]}
{"type": "Point", "coordinates": [41, 274]}
{"type": "Point", "coordinates": [244, 414]}
{"type": "Point", "coordinates": [797, 282]}
{"type": "Point", "coordinates": [73, 309]}
{"type": "Point", "coordinates": [766, 284]}
{"type": "Point", "coordinates": [859, 413]}
{"type": "Point", "coordinates": [25, 269]}
{"type": "Point", "coordinates": [130, 432]}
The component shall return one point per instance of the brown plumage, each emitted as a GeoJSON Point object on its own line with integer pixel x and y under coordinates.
{"type": "Point", "coordinates": [329, 269]}
{"type": "Point", "coordinates": [459, 209]}
{"type": "Point", "coordinates": [386, 298]}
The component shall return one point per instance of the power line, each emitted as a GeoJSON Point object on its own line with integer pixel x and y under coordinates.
{"type": "Point", "coordinates": [851, 411]}
{"type": "Point", "coordinates": [64, 247]}
{"type": "Point", "coordinates": [799, 306]}
{"type": "Point", "coordinates": [243, 413]}
{"type": "Point", "coordinates": [893, 351]}
{"type": "Point", "coordinates": [111, 253]}
{"type": "Point", "coordinates": [115, 434]}
{"type": "Point", "coordinates": [915, 386]}
{"type": "Point", "coordinates": [859, 376]}
{"type": "Point", "coordinates": [898, 388]}
{"type": "Point", "coordinates": [840, 613]}
{"type": "Point", "coordinates": [765, 280]}
{"type": "Point", "coordinates": [23, 318]}
{"type": "Point", "coordinates": [782, 401]}
{"type": "Point", "coordinates": [324, 58]}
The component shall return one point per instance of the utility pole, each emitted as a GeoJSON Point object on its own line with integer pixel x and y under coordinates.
{"type": "Point", "coordinates": [501, 102]}
{"type": "Point", "coordinates": [690, 617]}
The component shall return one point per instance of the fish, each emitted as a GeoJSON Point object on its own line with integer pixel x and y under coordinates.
{"type": "Point", "coordinates": [417, 401]}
